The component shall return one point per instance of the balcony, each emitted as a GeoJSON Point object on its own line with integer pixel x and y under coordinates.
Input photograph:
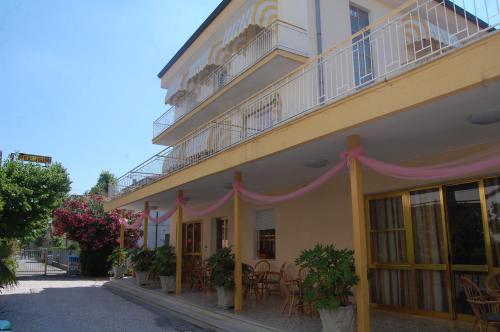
{"type": "Point", "coordinates": [278, 36]}
{"type": "Point", "coordinates": [417, 33]}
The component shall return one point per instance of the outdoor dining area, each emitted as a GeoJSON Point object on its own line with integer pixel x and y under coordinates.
{"type": "Point", "coordinates": [260, 283]}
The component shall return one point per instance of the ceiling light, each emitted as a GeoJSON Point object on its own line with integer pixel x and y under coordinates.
{"type": "Point", "coordinates": [316, 163]}
{"type": "Point", "coordinates": [485, 118]}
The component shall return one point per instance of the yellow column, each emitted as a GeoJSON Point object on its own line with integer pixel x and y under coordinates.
{"type": "Point", "coordinates": [178, 244]}
{"type": "Point", "coordinates": [359, 238]}
{"type": "Point", "coordinates": [146, 221]}
{"type": "Point", "coordinates": [122, 232]}
{"type": "Point", "coordinates": [238, 273]}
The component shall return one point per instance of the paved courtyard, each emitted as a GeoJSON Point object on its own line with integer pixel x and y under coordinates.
{"type": "Point", "coordinates": [75, 304]}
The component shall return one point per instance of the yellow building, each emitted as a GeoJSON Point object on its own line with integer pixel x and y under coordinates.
{"type": "Point", "coordinates": [273, 91]}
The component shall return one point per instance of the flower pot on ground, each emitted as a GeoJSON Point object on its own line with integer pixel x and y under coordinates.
{"type": "Point", "coordinates": [221, 265]}
{"type": "Point", "coordinates": [142, 263]}
{"type": "Point", "coordinates": [118, 259]}
{"type": "Point", "coordinates": [328, 284]}
{"type": "Point", "coordinates": [164, 265]}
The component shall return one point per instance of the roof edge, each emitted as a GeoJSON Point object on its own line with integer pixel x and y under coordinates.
{"type": "Point", "coordinates": [194, 36]}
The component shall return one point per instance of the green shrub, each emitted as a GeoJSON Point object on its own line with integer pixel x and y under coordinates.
{"type": "Point", "coordinates": [142, 259]}
{"type": "Point", "coordinates": [331, 275]}
{"type": "Point", "coordinates": [118, 257]}
{"type": "Point", "coordinates": [221, 265]}
{"type": "Point", "coordinates": [165, 260]}
{"type": "Point", "coordinates": [94, 263]}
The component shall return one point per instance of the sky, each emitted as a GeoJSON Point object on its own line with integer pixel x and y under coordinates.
{"type": "Point", "coordinates": [78, 78]}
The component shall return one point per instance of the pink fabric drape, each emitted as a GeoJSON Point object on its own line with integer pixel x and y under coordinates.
{"type": "Point", "coordinates": [267, 199]}
{"type": "Point", "coordinates": [209, 210]}
{"type": "Point", "coordinates": [440, 171]}
{"type": "Point", "coordinates": [135, 225]}
{"type": "Point", "coordinates": [165, 217]}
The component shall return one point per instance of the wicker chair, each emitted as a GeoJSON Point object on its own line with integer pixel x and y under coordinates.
{"type": "Point", "coordinates": [485, 308]}
{"type": "Point", "coordinates": [493, 284]}
{"type": "Point", "coordinates": [250, 281]}
{"type": "Point", "coordinates": [274, 280]}
{"type": "Point", "coordinates": [262, 269]}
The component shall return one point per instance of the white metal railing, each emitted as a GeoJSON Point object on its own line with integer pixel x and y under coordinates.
{"type": "Point", "coordinates": [407, 38]}
{"type": "Point", "coordinates": [278, 35]}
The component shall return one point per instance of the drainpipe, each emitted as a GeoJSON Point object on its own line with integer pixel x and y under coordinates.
{"type": "Point", "coordinates": [319, 49]}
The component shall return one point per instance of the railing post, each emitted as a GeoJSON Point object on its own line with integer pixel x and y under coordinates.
{"type": "Point", "coordinates": [238, 273]}
{"type": "Point", "coordinates": [178, 245]}
{"type": "Point", "coordinates": [359, 238]}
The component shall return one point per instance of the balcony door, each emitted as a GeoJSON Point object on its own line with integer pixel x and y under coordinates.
{"type": "Point", "coordinates": [361, 48]}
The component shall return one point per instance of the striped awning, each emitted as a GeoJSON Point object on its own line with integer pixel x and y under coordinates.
{"type": "Point", "coordinates": [178, 89]}
{"type": "Point", "coordinates": [260, 15]}
{"type": "Point", "coordinates": [418, 30]}
{"type": "Point", "coordinates": [211, 58]}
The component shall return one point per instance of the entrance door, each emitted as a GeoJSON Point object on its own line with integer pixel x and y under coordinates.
{"type": "Point", "coordinates": [191, 243]}
{"type": "Point", "coordinates": [467, 240]}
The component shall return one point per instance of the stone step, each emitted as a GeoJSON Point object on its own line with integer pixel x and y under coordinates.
{"type": "Point", "coordinates": [212, 319]}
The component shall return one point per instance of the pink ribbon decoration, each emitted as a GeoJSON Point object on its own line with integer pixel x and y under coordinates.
{"type": "Point", "coordinates": [440, 171]}
{"type": "Point", "coordinates": [209, 210]}
{"type": "Point", "coordinates": [267, 199]}
{"type": "Point", "coordinates": [165, 217]}
{"type": "Point", "coordinates": [135, 225]}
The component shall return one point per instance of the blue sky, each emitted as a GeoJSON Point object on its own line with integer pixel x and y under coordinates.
{"type": "Point", "coordinates": [78, 78]}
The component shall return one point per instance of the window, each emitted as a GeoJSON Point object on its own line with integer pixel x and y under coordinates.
{"type": "Point", "coordinates": [265, 234]}
{"type": "Point", "coordinates": [221, 233]}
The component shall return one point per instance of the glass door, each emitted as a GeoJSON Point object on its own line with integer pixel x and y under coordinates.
{"type": "Point", "coordinates": [191, 243]}
{"type": "Point", "coordinates": [467, 240]}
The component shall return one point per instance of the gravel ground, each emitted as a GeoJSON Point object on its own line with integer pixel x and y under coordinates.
{"type": "Point", "coordinates": [74, 304]}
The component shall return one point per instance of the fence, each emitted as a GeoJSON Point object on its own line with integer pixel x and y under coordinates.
{"type": "Point", "coordinates": [409, 37]}
{"type": "Point", "coordinates": [42, 261]}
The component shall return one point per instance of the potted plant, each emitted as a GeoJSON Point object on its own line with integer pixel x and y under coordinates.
{"type": "Point", "coordinates": [221, 265]}
{"type": "Point", "coordinates": [164, 265]}
{"type": "Point", "coordinates": [328, 284]}
{"type": "Point", "coordinates": [142, 263]}
{"type": "Point", "coordinates": [118, 259]}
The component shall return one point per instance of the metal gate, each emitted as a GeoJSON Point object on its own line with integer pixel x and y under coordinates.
{"type": "Point", "coordinates": [42, 261]}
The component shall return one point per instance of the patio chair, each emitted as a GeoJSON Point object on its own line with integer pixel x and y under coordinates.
{"type": "Point", "coordinates": [262, 269]}
{"type": "Point", "coordinates": [294, 294]}
{"type": "Point", "coordinates": [250, 281]}
{"type": "Point", "coordinates": [485, 308]}
{"type": "Point", "coordinates": [274, 280]}
{"type": "Point", "coordinates": [493, 284]}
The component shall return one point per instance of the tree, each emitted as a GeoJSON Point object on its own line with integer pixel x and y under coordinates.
{"type": "Point", "coordinates": [29, 194]}
{"type": "Point", "coordinates": [84, 220]}
{"type": "Point", "coordinates": [103, 182]}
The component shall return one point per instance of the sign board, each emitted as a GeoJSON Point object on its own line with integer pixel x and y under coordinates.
{"type": "Point", "coordinates": [33, 158]}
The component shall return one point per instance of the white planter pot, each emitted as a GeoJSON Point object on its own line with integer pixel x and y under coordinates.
{"type": "Point", "coordinates": [225, 297]}
{"type": "Point", "coordinates": [141, 278]}
{"type": "Point", "coordinates": [119, 271]}
{"type": "Point", "coordinates": [342, 319]}
{"type": "Point", "coordinates": [167, 284]}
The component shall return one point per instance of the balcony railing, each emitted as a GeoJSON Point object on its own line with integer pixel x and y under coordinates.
{"type": "Point", "coordinates": [279, 35]}
{"type": "Point", "coordinates": [413, 35]}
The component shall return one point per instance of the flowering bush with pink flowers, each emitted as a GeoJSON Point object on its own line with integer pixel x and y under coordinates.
{"type": "Point", "coordinates": [83, 219]}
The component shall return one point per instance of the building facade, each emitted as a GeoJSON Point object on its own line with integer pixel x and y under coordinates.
{"type": "Point", "coordinates": [274, 91]}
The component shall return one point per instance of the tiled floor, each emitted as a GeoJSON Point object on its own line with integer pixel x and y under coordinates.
{"type": "Point", "coordinates": [268, 312]}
